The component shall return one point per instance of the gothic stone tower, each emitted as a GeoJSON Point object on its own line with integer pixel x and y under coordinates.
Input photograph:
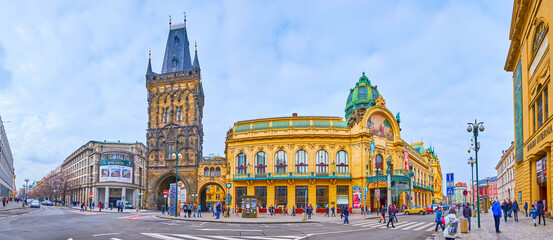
{"type": "Point", "coordinates": [175, 108]}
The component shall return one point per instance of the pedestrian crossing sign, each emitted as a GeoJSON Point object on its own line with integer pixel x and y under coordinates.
{"type": "Point", "coordinates": [450, 191]}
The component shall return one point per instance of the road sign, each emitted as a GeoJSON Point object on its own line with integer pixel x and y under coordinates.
{"type": "Point", "coordinates": [465, 193]}
{"type": "Point", "coordinates": [165, 196]}
{"type": "Point", "coordinates": [90, 193]}
{"type": "Point", "coordinates": [365, 191]}
{"type": "Point", "coordinates": [449, 183]}
{"type": "Point", "coordinates": [450, 191]}
{"type": "Point", "coordinates": [165, 192]}
{"type": "Point", "coordinates": [229, 185]}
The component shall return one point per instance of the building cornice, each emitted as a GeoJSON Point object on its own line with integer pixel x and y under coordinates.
{"type": "Point", "coordinates": [519, 17]}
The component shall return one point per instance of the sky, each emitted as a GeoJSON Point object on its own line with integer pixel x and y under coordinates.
{"type": "Point", "coordinates": [71, 72]}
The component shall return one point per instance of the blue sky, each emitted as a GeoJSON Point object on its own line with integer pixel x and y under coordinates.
{"type": "Point", "coordinates": [74, 72]}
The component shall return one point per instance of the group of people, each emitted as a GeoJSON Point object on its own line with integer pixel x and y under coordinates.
{"type": "Point", "coordinates": [5, 201]}
{"type": "Point", "coordinates": [392, 215]}
{"type": "Point", "coordinates": [508, 208]}
{"type": "Point", "coordinates": [195, 210]}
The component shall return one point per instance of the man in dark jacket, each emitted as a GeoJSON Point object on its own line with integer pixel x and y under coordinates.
{"type": "Point", "coordinates": [509, 207]}
{"type": "Point", "coordinates": [383, 214]}
{"type": "Point", "coordinates": [333, 211]}
{"type": "Point", "coordinates": [467, 213]}
{"type": "Point", "coordinates": [515, 210]}
{"type": "Point", "coordinates": [496, 209]}
{"type": "Point", "coordinates": [526, 208]}
{"type": "Point", "coordinates": [505, 208]}
{"type": "Point", "coordinates": [327, 210]}
{"type": "Point", "coordinates": [390, 216]}
{"type": "Point", "coordinates": [346, 214]}
{"type": "Point", "coordinates": [541, 212]}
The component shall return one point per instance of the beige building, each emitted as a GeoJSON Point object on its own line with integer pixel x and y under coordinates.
{"type": "Point", "coordinates": [111, 170]}
{"type": "Point", "coordinates": [506, 175]}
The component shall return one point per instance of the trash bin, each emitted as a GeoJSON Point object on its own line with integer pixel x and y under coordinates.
{"type": "Point", "coordinates": [464, 225]}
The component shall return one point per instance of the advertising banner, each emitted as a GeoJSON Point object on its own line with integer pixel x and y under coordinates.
{"type": "Point", "coordinates": [356, 203]}
{"type": "Point", "coordinates": [116, 170]}
{"type": "Point", "coordinates": [406, 157]}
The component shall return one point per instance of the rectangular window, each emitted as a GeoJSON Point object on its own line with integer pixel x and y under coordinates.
{"type": "Point", "coordinates": [301, 197]}
{"type": "Point", "coordinates": [539, 104]}
{"type": "Point", "coordinates": [534, 118]}
{"type": "Point", "coordinates": [281, 195]}
{"type": "Point", "coordinates": [546, 104]}
{"type": "Point", "coordinates": [239, 193]}
{"type": "Point", "coordinates": [342, 194]}
{"type": "Point", "coordinates": [261, 194]}
{"type": "Point", "coordinates": [322, 196]}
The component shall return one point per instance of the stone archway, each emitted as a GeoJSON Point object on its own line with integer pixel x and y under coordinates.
{"type": "Point", "coordinates": [210, 193]}
{"type": "Point", "coordinates": [163, 183]}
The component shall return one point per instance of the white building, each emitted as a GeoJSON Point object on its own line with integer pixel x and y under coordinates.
{"type": "Point", "coordinates": [506, 175]}
{"type": "Point", "coordinates": [113, 171]}
{"type": "Point", "coordinates": [7, 177]}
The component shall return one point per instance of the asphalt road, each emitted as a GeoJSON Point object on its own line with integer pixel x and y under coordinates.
{"type": "Point", "coordinates": [63, 223]}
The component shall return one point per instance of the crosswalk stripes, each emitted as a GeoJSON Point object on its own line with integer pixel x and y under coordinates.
{"type": "Point", "coordinates": [403, 225]}
{"type": "Point", "coordinates": [165, 236]}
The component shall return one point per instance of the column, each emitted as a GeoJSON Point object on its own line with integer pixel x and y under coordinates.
{"type": "Point", "coordinates": [106, 196]}
{"type": "Point", "coordinates": [270, 195]}
{"type": "Point", "coordinates": [134, 197]}
{"type": "Point", "coordinates": [123, 195]}
{"type": "Point", "coordinates": [291, 200]}
{"type": "Point", "coordinates": [549, 198]}
{"type": "Point", "coordinates": [389, 187]}
{"type": "Point", "coordinates": [411, 193]}
{"type": "Point", "coordinates": [312, 195]}
{"type": "Point", "coordinates": [533, 182]}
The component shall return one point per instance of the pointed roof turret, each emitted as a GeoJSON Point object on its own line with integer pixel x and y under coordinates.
{"type": "Point", "coordinates": [196, 63]}
{"type": "Point", "coordinates": [177, 52]}
{"type": "Point", "coordinates": [149, 70]}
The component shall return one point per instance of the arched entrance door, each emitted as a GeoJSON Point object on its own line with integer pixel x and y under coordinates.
{"type": "Point", "coordinates": [210, 194]}
{"type": "Point", "coordinates": [165, 184]}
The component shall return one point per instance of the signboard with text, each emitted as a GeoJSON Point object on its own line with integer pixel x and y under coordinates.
{"type": "Point", "coordinates": [116, 170]}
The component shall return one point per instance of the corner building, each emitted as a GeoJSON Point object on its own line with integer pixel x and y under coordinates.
{"type": "Point", "coordinates": [529, 59]}
{"type": "Point", "coordinates": [319, 161]}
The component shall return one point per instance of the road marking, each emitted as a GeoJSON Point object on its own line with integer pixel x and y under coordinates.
{"type": "Point", "coordinates": [236, 230]}
{"type": "Point", "coordinates": [423, 226]}
{"type": "Point", "coordinates": [104, 234]}
{"type": "Point", "coordinates": [160, 236]}
{"type": "Point", "coordinates": [190, 237]}
{"type": "Point", "coordinates": [131, 217]}
{"type": "Point", "coordinates": [412, 226]}
{"type": "Point", "coordinates": [115, 239]}
{"type": "Point", "coordinates": [431, 229]}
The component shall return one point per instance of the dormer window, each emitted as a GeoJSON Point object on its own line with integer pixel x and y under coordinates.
{"type": "Point", "coordinates": [176, 40]}
{"type": "Point", "coordinates": [175, 61]}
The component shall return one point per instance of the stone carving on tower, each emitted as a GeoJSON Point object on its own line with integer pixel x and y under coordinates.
{"type": "Point", "coordinates": [175, 111]}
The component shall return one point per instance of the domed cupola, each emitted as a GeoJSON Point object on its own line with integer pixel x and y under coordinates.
{"type": "Point", "coordinates": [363, 95]}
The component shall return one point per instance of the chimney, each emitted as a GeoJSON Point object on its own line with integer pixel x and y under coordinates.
{"type": "Point", "coordinates": [294, 114]}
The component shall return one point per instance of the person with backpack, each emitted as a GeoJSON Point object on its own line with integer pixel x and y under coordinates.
{"type": "Point", "coordinates": [526, 208]}
{"type": "Point", "coordinates": [184, 209]}
{"type": "Point", "coordinates": [467, 213]}
{"type": "Point", "coordinates": [541, 212]}
{"type": "Point", "coordinates": [534, 213]}
{"type": "Point", "coordinates": [439, 219]}
{"type": "Point", "coordinates": [496, 209]}
{"type": "Point", "coordinates": [327, 211]}
{"type": "Point", "coordinates": [505, 208]}
{"type": "Point", "coordinates": [346, 215]}
{"type": "Point", "coordinates": [451, 224]}
{"type": "Point", "coordinates": [515, 210]}
{"type": "Point", "coordinates": [390, 216]}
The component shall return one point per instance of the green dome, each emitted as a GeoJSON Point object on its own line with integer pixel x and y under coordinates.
{"type": "Point", "coordinates": [363, 95]}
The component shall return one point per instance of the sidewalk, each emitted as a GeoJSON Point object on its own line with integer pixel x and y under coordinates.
{"type": "Point", "coordinates": [11, 205]}
{"type": "Point", "coordinates": [263, 218]}
{"type": "Point", "coordinates": [104, 210]}
{"type": "Point", "coordinates": [523, 229]}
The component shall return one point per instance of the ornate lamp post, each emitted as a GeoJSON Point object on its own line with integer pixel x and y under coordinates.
{"type": "Point", "coordinates": [377, 200]}
{"type": "Point", "coordinates": [389, 182]}
{"type": "Point", "coordinates": [411, 164]}
{"type": "Point", "coordinates": [475, 128]}
{"type": "Point", "coordinates": [471, 163]}
{"type": "Point", "coordinates": [176, 156]}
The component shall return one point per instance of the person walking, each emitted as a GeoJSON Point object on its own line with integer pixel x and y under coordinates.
{"type": "Point", "coordinates": [467, 213]}
{"type": "Point", "coordinates": [333, 210]}
{"type": "Point", "coordinates": [199, 210]}
{"type": "Point", "coordinates": [382, 215]}
{"type": "Point", "coordinates": [526, 208]}
{"type": "Point", "coordinates": [189, 209]}
{"type": "Point", "coordinates": [100, 206]}
{"type": "Point", "coordinates": [515, 210]}
{"type": "Point", "coordinates": [505, 208]}
{"type": "Point", "coordinates": [390, 216]}
{"type": "Point", "coordinates": [327, 211]}
{"type": "Point", "coordinates": [395, 213]}
{"type": "Point", "coordinates": [3, 202]}
{"type": "Point", "coordinates": [496, 209]}
{"type": "Point", "coordinates": [163, 209]}
{"type": "Point", "coordinates": [346, 215]}
{"type": "Point", "coordinates": [82, 207]}
{"type": "Point", "coordinates": [451, 224]}
{"type": "Point", "coordinates": [310, 210]}
{"type": "Point", "coordinates": [534, 213]}
{"type": "Point", "coordinates": [218, 209]}
{"type": "Point", "coordinates": [541, 212]}
{"type": "Point", "coordinates": [439, 219]}
{"type": "Point", "coordinates": [293, 211]}
{"type": "Point", "coordinates": [509, 208]}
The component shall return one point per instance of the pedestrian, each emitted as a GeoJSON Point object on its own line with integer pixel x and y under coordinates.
{"type": "Point", "coordinates": [310, 210]}
{"type": "Point", "coordinates": [333, 210]}
{"type": "Point", "coordinates": [346, 215]}
{"type": "Point", "coordinates": [382, 215]}
{"type": "Point", "coordinates": [496, 209]}
{"type": "Point", "coordinates": [390, 216]}
{"type": "Point", "coordinates": [362, 210]}
{"type": "Point", "coordinates": [534, 213]}
{"type": "Point", "coordinates": [395, 213]}
{"type": "Point", "coordinates": [526, 208]}
{"type": "Point", "coordinates": [515, 210]}
{"type": "Point", "coordinates": [163, 209]}
{"type": "Point", "coordinates": [286, 210]}
{"type": "Point", "coordinates": [100, 207]}
{"type": "Point", "coordinates": [439, 219]}
{"type": "Point", "coordinates": [350, 211]}
{"type": "Point", "coordinates": [199, 210]}
{"type": "Point", "coordinates": [451, 224]}
{"type": "Point", "coordinates": [341, 211]}
{"type": "Point", "coordinates": [189, 210]}
{"type": "Point", "coordinates": [82, 207]}
{"type": "Point", "coordinates": [184, 209]}
{"type": "Point", "coordinates": [92, 205]}
{"type": "Point", "coordinates": [3, 202]}
{"type": "Point", "coordinates": [327, 211]}
{"type": "Point", "coordinates": [194, 208]}
{"type": "Point", "coordinates": [218, 209]}
{"type": "Point", "coordinates": [294, 211]}
{"type": "Point", "coordinates": [505, 208]}
{"type": "Point", "coordinates": [509, 208]}
{"type": "Point", "coordinates": [541, 212]}
{"type": "Point", "coordinates": [467, 213]}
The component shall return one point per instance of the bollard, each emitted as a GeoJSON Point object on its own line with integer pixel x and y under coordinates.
{"type": "Point", "coordinates": [303, 217]}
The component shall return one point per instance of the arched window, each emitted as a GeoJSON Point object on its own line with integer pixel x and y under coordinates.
{"type": "Point", "coordinates": [206, 171]}
{"type": "Point", "coordinates": [301, 161]}
{"type": "Point", "coordinates": [241, 163]}
{"type": "Point", "coordinates": [281, 159]}
{"type": "Point", "coordinates": [322, 161]}
{"type": "Point", "coordinates": [379, 163]}
{"type": "Point", "coordinates": [260, 162]}
{"type": "Point", "coordinates": [212, 172]}
{"type": "Point", "coordinates": [342, 162]}
{"type": "Point", "coordinates": [218, 172]}
{"type": "Point", "coordinates": [538, 36]}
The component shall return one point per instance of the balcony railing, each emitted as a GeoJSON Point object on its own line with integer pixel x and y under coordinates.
{"type": "Point", "coordinates": [292, 175]}
{"type": "Point", "coordinates": [423, 186]}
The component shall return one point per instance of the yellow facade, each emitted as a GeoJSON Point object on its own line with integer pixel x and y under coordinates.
{"type": "Point", "coordinates": [284, 159]}
{"type": "Point", "coordinates": [529, 60]}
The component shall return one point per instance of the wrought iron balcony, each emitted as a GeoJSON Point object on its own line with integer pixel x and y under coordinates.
{"type": "Point", "coordinates": [292, 175]}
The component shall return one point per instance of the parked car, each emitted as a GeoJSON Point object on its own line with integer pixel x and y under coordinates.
{"type": "Point", "coordinates": [48, 203]}
{"type": "Point", "coordinates": [35, 203]}
{"type": "Point", "coordinates": [415, 210]}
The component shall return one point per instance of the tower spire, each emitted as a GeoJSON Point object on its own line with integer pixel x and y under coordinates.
{"type": "Point", "coordinates": [149, 70]}
{"type": "Point", "coordinates": [184, 18]}
{"type": "Point", "coordinates": [169, 22]}
{"type": "Point", "coordinates": [196, 63]}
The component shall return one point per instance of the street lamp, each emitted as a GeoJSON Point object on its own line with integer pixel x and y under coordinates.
{"type": "Point", "coordinates": [90, 196]}
{"type": "Point", "coordinates": [389, 181]}
{"type": "Point", "coordinates": [176, 156]}
{"type": "Point", "coordinates": [26, 188]}
{"type": "Point", "coordinates": [377, 200]}
{"type": "Point", "coordinates": [411, 164]}
{"type": "Point", "coordinates": [471, 163]}
{"type": "Point", "coordinates": [475, 128]}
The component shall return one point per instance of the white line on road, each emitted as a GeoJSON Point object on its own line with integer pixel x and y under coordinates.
{"type": "Point", "coordinates": [190, 237]}
{"type": "Point", "coordinates": [236, 230]}
{"type": "Point", "coordinates": [104, 234]}
{"type": "Point", "coordinates": [114, 239]}
{"type": "Point", "coordinates": [423, 226]}
{"type": "Point", "coordinates": [160, 236]}
{"type": "Point", "coordinates": [412, 226]}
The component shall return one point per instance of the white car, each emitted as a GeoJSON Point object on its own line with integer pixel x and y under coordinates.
{"type": "Point", "coordinates": [35, 203]}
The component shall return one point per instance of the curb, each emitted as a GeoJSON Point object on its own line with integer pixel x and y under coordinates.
{"type": "Point", "coordinates": [7, 209]}
{"type": "Point", "coordinates": [232, 222]}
